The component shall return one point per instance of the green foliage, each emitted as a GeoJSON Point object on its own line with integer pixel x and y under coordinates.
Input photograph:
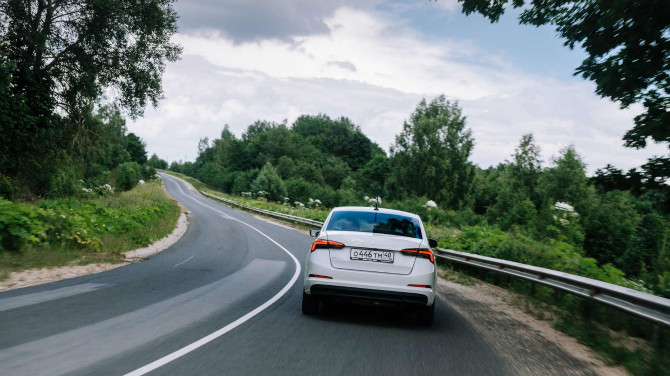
{"type": "Point", "coordinates": [148, 172]}
{"type": "Point", "coordinates": [268, 181]}
{"type": "Point", "coordinates": [20, 226]}
{"type": "Point", "coordinates": [430, 155]}
{"type": "Point", "coordinates": [128, 174]}
{"type": "Point", "coordinates": [57, 59]}
{"type": "Point", "coordinates": [493, 242]}
{"type": "Point", "coordinates": [566, 181]}
{"type": "Point", "coordinates": [84, 225]}
{"type": "Point", "coordinates": [136, 149]}
{"type": "Point", "coordinates": [628, 48]}
{"type": "Point", "coordinates": [157, 163]}
{"type": "Point", "coordinates": [610, 230]}
{"type": "Point", "coordinates": [429, 161]}
{"type": "Point", "coordinates": [7, 188]}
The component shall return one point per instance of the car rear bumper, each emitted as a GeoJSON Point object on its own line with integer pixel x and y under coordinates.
{"type": "Point", "coordinates": [361, 295]}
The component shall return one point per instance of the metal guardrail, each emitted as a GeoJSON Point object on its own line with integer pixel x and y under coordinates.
{"type": "Point", "coordinates": [289, 217]}
{"type": "Point", "coordinates": [650, 307]}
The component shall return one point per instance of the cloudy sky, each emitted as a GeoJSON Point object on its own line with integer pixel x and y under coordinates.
{"type": "Point", "coordinates": [373, 61]}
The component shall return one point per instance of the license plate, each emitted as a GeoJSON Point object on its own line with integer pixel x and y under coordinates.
{"type": "Point", "coordinates": [371, 255]}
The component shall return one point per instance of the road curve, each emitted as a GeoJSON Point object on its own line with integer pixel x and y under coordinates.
{"type": "Point", "coordinates": [224, 300]}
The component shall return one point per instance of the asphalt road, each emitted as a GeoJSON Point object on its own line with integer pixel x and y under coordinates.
{"type": "Point", "coordinates": [224, 300]}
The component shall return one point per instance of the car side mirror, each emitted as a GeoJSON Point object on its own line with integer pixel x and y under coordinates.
{"type": "Point", "coordinates": [314, 232]}
{"type": "Point", "coordinates": [432, 243]}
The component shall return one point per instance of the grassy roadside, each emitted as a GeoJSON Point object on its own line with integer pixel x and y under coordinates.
{"type": "Point", "coordinates": [79, 232]}
{"type": "Point", "coordinates": [318, 214]}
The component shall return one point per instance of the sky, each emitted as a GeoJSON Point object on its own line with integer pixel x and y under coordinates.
{"type": "Point", "coordinates": [372, 61]}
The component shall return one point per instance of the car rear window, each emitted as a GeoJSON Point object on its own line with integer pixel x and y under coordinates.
{"type": "Point", "coordinates": [381, 223]}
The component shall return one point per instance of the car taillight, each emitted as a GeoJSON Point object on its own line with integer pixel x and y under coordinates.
{"type": "Point", "coordinates": [424, 286]}
{"type": "Point", "coordinates": [420, 252]}
{"type": "Point", "coordinates": [320, 276]}
{"type": "Point", "coordinates": [320, 243]}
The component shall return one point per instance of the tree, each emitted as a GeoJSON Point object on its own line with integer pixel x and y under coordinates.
{"type": "Point", "coordinates": [157, 163]}
{"type": "Point", "coordinates": [518, 184]}
{"type": "Point", "coordinates": [136, 148]}
{"type": "Point", "coordinates": [269, 181]}
{"type": "Point", "coordinates": [286, 167]}
{"type": "Point", "coordinates": [58, 59]}
{"type": "Point", "coordinates": [526, 167]}
{"type": "Point", "coordinates": [372, 176]}
{"type": "Point", "coordinates": [611, 228]}
{"type": "Point", "coordinates": [430, 155]}
{"type": "Point", "coordinates": [566, 181]}
{"type": "Point", "coordinates": [223, 146]}
{"type": "Point", "coordinates": [339, 137]}
{"type": "Point", "coordinates": [628, 47]}
{"type": "Point", "coordinates": [68, 51]}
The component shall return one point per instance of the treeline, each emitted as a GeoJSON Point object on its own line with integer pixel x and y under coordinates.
{"type": "Point", "coordinates": [60, 63]}
{"type": "Point", "coordinates": [615, 217]}
{"type": "Point", "coordinates": [100, 158]}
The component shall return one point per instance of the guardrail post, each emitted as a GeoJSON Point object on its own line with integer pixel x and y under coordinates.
{"type": "Point", "coordinates": [615, 323]}
{"type": "Point", "coordinates": [556, 297]}
{"type": "Point", "coordinates": [655, 335]}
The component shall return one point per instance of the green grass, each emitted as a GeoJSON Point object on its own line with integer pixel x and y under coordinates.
{"type": "Point", "coordinates": [79, 232]}
{"type": "Point", "coordinates": [318, 214]}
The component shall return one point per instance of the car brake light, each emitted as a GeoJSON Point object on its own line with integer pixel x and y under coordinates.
{"type": "Point", "coordinates": [420, 252]}
{"type": "Point", "coordinates": [320, 276]}
{"type": "Point", "coordinates": [326, 244]}
{"type": "Point", "coordinates": [424, 286]}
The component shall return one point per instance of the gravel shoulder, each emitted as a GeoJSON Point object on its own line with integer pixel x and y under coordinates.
{"type": "Point", "coordinates": [529, 346]}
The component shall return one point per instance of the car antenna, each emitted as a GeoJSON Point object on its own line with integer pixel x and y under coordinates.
{"type": "Point", "coordinates": [377, 204]}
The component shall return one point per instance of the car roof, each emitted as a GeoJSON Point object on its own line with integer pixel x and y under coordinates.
{"type": "Point", "coordinates": [380, 210]}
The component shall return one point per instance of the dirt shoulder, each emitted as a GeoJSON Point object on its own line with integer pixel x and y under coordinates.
{"type": "Point", "coordinates": [529, 346]}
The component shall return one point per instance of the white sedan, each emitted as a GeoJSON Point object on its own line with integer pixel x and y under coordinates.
{"type": "Point", "coordinates": [371, 256]}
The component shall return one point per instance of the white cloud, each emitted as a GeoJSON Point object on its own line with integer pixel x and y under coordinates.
{"type": "Point", "coordinates": [373, 68]}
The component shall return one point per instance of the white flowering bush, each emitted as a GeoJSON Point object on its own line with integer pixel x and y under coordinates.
{"type": "Point", "coordinates": [567, 208]}
{"type": "Point", "coordinates": [563, 212]}
{"type": "Point", "coordinates": [299, 204]}
{"type": "Point", "coordinates": [375, 200]}
{"type": "Point", "coordinates": [314, 203]}
{"type": "Point", "coordinates": [431, 204]}
{"type": "Point", "coordinates": [140, 182]}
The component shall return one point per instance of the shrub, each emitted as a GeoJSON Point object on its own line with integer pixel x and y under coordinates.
{"type": "Point", "coordinates": [493, 242]}
{"type": "Point", "coordinates": [20, 225]}
{"type": "Point", "coordinates": [7, 188]}
{"type": "Point", "coordinates": [269, 181]}
{"type": "Point", "coordinates": [128, 174]}
{"type": "Point", "coordinates": [148, 172]}
{"type": "Point", "coordinates": [77, 224]}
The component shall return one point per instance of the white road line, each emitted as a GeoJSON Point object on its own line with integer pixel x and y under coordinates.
{"type": "Point", "coordinates": [203, 341]}
{"type": "Point", "coordinates": [184, 261]}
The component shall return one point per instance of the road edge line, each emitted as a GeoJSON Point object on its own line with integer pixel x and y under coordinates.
{"type": "Point", "coordinates": [203, 341]}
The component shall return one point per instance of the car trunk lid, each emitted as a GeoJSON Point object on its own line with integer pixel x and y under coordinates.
{"type": "Point", "coordinates": [365, 247]}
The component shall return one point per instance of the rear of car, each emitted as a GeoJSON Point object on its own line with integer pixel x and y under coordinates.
{"type": "Point", "coordinates": [371, 256]}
